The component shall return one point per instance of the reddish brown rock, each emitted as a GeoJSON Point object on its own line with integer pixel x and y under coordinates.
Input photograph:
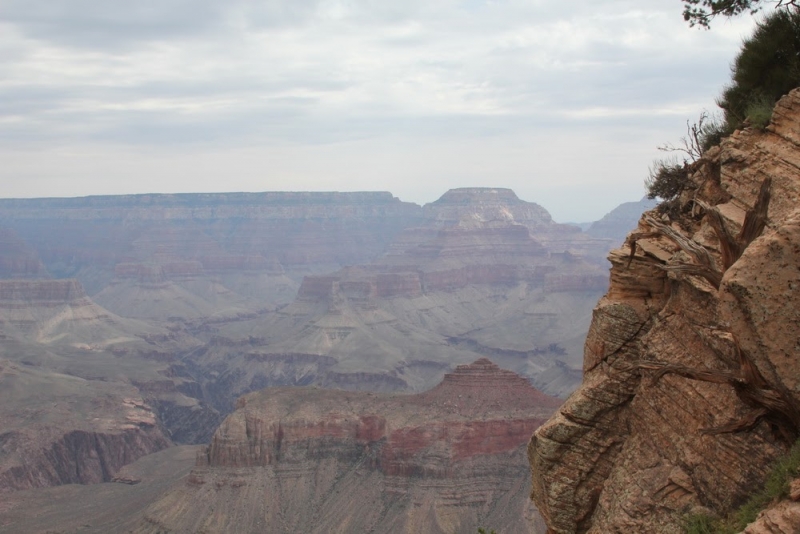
{"type": "Point", "coordinates": [666, 420]}
{"type": "Point", "coordinates": [781, 518]}
{"type": "Point", "coordinates": [446, 460]}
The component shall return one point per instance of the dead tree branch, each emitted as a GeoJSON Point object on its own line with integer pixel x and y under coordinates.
{"type": "Point", "coordinates": [768, 402]}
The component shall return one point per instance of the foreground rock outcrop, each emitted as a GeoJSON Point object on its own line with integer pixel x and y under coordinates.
{"type": "Point", "coordinates": [314, 460]}
{"type": "Point", "coordinates": [691, 368]}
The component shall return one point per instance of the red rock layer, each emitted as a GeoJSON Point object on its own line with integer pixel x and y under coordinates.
{"type": "Point", "coordinates": [435, 462]}
{"type": "Point", "coordinates": [459, 414]}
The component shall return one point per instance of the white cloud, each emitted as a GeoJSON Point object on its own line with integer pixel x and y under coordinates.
{"type": "Point", "coordinates": [413, 97]}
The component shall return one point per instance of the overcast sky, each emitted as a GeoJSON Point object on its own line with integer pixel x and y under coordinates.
{"type": "Point", "coordinates": [565, 102]}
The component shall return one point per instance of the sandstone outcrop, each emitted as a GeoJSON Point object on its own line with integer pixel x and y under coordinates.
{"type": "Point", "coordinates": [314, 460]}
{"type": "Point", "coordinates": [684, 350]}
{"type": "Point", "coordinates": [782, 517]}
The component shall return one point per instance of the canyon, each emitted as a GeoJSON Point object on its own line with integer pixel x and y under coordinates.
{"type": "Point", "coordinates": [690, 386]}
{"type": "Point", "coordinates": [131, 325]}
{"type": "Point", "coordinates": [450, 459]}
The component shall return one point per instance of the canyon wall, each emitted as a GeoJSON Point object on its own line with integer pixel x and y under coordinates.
{"type": "Point", "coordinates": [447, 460]}
{"type": "Point", "coordinates": [267, 233]}
{"type": "Point", "coordinates": [187, 302]}
{"type": "Point", "coordinates": [473, 278]}
{"type": "Point", "coordinates": [59, 429]}
{"type": "Point", "coordinates": [690, 385]}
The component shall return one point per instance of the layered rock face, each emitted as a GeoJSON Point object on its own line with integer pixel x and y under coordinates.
{"type": "Point", "coordinates": [188, 301]}
{"type": "Point", "coordinates": [17, 260]}
{"type": "Point", "coordinates": [48, 311]}
{"type": "Point", "coordinates": [474, 278]}
{"type": "Point", "coordinates": [88, 238]}
{"type": "Point", "coordinates": [60, 429]}
{"type": "Point", "coordinates": [57, 347]}
{"type": "Point", "coordinates": [690, 385]}
{"type": "Point", "coordinates": [313, 460]}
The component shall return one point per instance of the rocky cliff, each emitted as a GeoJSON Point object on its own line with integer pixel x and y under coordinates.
{"type": "Point", "coordinates": [77, 412]}
{"type": "Point", "coordinates": [17, 259]}
{"type": "Point", "coordinates": [314, 460]}
{"type": "Point", "coordinates": [59, 429]}
{"type": "Point", "coordinates": [691, 374]}
{"type": "Point", "coordinates": [87, 238]}
{"type": "Point", "coordinates": [188, 301]}
{"type": "Point", "coordinates": [473, 278]}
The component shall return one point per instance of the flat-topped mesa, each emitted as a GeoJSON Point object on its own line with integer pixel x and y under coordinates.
{"type": "Point", "coordinates": [24, 293]}
{"type": "Point", "coordinates": [365, 462]}
{"type": "Point", "coordinates": [469, 195]}
{"type": "Point", "coordinates": [230, 234]}
{"type": "Point", "coordinates": [485, 205]}
{"type": "Point", "coordinates": [281, 204]}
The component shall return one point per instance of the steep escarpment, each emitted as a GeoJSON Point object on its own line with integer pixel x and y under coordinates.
{"type": "Point", "coordinates": [482, 274]}
{"type": "Point", "coordinates": [59, 312]}
{"type": "Point", "coordinates": [59, 429]}
{"type": "Point", "coordinates": [447, 460]}
{"type": "Point", "coordinates": [17, 259]}
{"type": "Point", "coordinates": [109, 238]}
{"type": "Point", "coordinates": [690, 366]}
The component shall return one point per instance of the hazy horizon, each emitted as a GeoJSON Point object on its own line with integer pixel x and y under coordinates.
{"type": "Point", "coordinates": [564, 104]}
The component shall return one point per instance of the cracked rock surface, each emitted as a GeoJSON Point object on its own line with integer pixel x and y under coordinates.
{"type": "Point", "coordinates": [634, 452]}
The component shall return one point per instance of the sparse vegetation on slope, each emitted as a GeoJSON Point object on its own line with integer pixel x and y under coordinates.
{"type": "Point", "coordinates": [767, 67]}
{"type": "Point", "coordinates": [776, 487]}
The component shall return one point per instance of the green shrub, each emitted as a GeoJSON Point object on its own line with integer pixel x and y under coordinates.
{"type": "Point", "coordinates": [667, 179]}
{"type": "Point", "coordinates": [767, 67]}
{"type": "Point", "coordinates": [700, 524]}
{"type": "Point", "coordinates": [759, 112]}
{"type": "Point", "coordinates": [776, 487]}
